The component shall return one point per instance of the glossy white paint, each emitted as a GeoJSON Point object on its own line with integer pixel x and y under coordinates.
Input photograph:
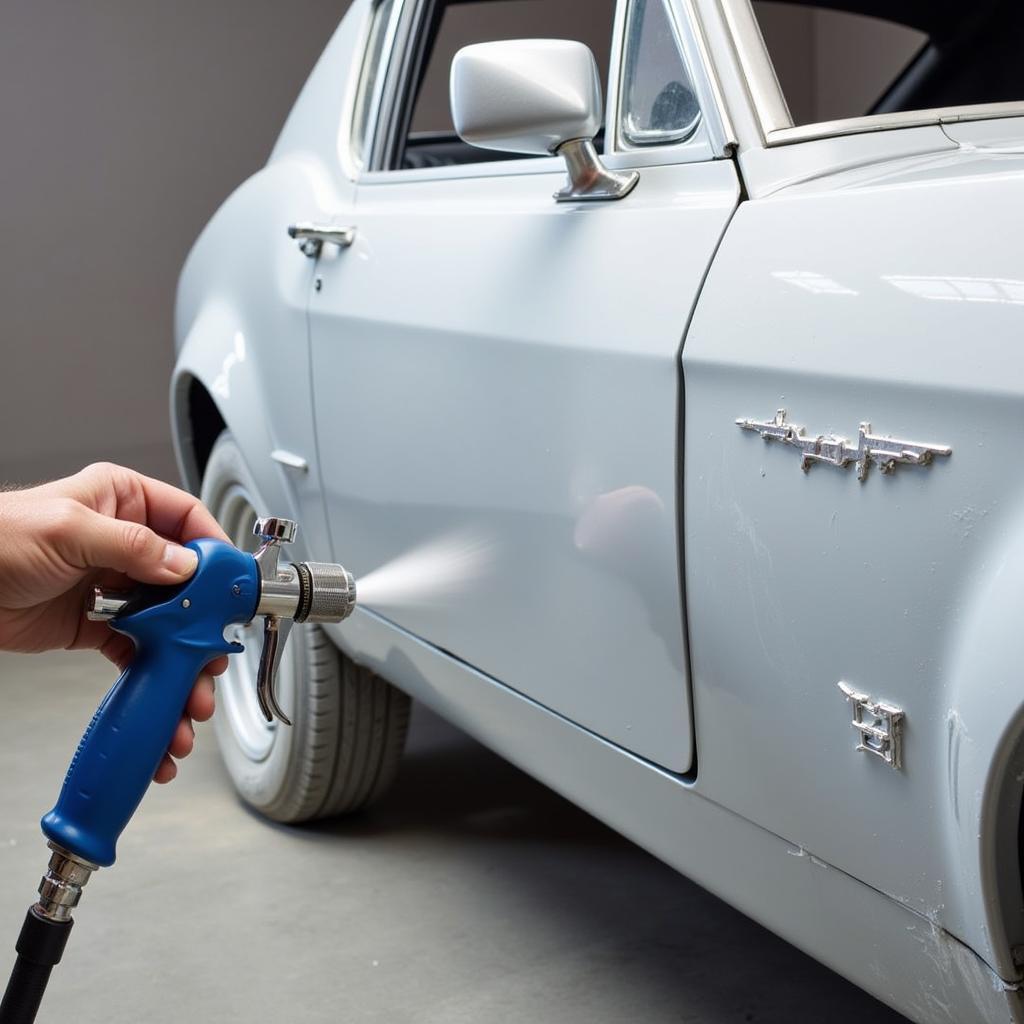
{"type": "Point", "coordinates": [241, 325]}
{"type": "Point", "coordinates": [892, 952]}
{"type": "Point", "coordinates": [484, 359]}
{"type": "Point", "coordinates": [877, 583]}
{"type": "Point", "coordinates": [543, 428]}
{"type": "Point", "coordinates": [525, 95]}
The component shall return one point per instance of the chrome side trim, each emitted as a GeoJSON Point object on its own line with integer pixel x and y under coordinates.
{"type": "Point", "coordinates": [290, 459]}
{"type": "Point", "coordinates": [759, 76]}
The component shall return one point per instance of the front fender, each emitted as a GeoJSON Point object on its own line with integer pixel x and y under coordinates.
{"type": "Point", "coordinates": [218, 357]}
{"type": "Point", "coordinates": [240, 323]}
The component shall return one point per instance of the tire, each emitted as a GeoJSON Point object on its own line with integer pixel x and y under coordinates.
{"type": "Point", "coordinates": [342, 751]}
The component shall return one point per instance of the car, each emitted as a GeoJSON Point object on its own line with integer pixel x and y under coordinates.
{"type": "Point", "coordinates": [656, 367]}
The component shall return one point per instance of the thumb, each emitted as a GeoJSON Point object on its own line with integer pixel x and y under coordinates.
{"type": "Point", "coordinates": [134, 549]}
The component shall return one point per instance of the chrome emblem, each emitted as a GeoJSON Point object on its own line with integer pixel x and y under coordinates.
{"type": "Point", "coordinates": [884, 452]}
{"type": "Point", "coordinates": [879, 726]}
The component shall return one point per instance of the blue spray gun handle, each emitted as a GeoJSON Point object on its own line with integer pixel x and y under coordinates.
{"type": "Point", "coordinates": [177, 632]}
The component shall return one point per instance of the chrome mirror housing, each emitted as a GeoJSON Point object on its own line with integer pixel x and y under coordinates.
{"type": "Point", "coordinates": [536, 96]}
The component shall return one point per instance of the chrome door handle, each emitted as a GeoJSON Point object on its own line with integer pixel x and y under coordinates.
{"type": "Point", "coordinates": [311, 237]}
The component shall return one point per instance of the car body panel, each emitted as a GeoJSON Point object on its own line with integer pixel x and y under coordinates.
{"type": "Point", "coordinates": [242, 333]}
{"type": "Point", "coordinates": [891, 950]}
{"type": "Point", "coordinates": [533, 422]}
{"type": "Point", "coordinates": [828, 578]}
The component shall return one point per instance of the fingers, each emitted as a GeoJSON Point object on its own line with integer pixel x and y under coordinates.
{"type": "Point", "coordinates": [166, 771]}
{"type": "Point", "coordinates": [201, 702]}
{"type": "Point", "coordinates": [92, 540]}
{"type": "Point", "coordinates": [125, 494]}
{"type": "Point", "coordinates": [183, 740]}
{"type": "Point", "coordinates": [178, 514]}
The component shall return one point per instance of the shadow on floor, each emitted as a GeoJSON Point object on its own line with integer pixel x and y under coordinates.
{"type": "Point", "coordinates": [607, 898]}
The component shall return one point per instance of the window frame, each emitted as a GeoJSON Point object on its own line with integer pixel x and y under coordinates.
{"type": "Point", "coordinates": [772, 111]}
{"type": "Point", "coordinates": [356, 161]}
{"type": "Point", "coordinates": [713, 139]}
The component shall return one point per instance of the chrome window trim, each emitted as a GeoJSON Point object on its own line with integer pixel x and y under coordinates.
{"type": "Point", "coordinates": [759, 79]}
{"type": "Point", "coordinates": [772, 112]}
{"type": "Point", "coordinates": [351, 164]}
{"type": "Point", "coordinates": [714, 137]}
{"type": "Point", "coordinates": [402, 31]}
{"type": "Point", "coordinates": [717, 107]}
{"type": "Point", "coordinates": [887, 122]}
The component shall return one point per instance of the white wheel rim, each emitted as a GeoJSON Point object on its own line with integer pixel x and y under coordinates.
{"type": "Point", "coordinates": [236, 688]}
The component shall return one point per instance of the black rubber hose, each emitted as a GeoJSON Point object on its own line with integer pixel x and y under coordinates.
{"type": "Point", "coordinates": [40, 947]}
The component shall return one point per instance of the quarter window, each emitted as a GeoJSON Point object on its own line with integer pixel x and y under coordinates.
{"type": "Point", "coordinates": [659, 104]}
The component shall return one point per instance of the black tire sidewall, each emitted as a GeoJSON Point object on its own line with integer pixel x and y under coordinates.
{"type": "Point", "coordinates": [273, 785]}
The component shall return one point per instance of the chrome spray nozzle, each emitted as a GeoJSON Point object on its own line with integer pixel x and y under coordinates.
{"type": "Point", "coordinates": [299, 592]}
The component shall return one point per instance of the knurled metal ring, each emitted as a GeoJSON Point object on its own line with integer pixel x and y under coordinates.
{"type": "Point", "coordinates": [305, 592]}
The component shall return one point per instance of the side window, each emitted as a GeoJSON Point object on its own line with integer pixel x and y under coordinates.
{"type": "Point", "coordinates": [659, 105]}
{"type": "Point", "coordinates": [425, 136]}
{"type": "Point", "coordinates": [370, 75]}
{"type": "Point", "coordinates": [848, 58]}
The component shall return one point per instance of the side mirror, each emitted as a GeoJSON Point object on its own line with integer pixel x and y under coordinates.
{"type": "Point", "coordinates": [536, 96]}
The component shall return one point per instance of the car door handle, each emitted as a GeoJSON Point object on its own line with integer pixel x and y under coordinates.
{"type": "Point", "coordinates": [311, 237]}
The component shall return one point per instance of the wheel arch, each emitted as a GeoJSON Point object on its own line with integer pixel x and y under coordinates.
{"type": "Point", "coordinates": [198, 423]}
{"type": "Point", "coordinates": [985, 744]}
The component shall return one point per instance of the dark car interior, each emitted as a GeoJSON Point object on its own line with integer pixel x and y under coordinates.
{"type": "Point", "coordinates": [969, 54]}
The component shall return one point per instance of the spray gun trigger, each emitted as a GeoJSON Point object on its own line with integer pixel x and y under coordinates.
{"type": "Point", "coordinates": [275, 633]}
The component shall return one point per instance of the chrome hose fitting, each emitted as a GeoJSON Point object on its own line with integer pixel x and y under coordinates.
{"type": "Point", "coordinates": [61, 886]}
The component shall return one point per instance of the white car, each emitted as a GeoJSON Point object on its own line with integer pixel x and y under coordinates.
{"type": "Point", "coordinates": [685, 418]}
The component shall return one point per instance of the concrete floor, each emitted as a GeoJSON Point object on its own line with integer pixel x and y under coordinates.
{"type": "Point", "coordinates": [472, 894]}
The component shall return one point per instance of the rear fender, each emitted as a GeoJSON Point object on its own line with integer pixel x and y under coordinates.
{"type": "Point", "coordinates": [985, 742]}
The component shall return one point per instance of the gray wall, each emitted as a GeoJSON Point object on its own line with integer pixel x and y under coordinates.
{"type": "Point", "coordinates": [124, 123]}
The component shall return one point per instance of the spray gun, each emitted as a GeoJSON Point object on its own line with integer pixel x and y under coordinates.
{"type": "Point", "coordinates": [177, 632]}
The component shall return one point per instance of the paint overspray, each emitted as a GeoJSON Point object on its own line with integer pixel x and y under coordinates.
{"type": "Point", "coordinates": [442, 569]}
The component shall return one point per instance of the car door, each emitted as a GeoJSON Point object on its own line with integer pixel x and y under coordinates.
{"type": "Point", "coordinates": [496, 375]}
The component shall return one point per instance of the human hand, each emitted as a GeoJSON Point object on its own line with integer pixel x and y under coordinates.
{"type": "Point", "coordinates": [106, 525]}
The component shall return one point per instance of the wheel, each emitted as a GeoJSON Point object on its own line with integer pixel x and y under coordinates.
{"type": "Point", "coordinates": [348, 725]}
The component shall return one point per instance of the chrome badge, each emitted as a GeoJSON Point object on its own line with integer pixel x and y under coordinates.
{"type": "Point", "coordinates": [879, 726]}
{"type": "Point", "coordinates": [884, 452]}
